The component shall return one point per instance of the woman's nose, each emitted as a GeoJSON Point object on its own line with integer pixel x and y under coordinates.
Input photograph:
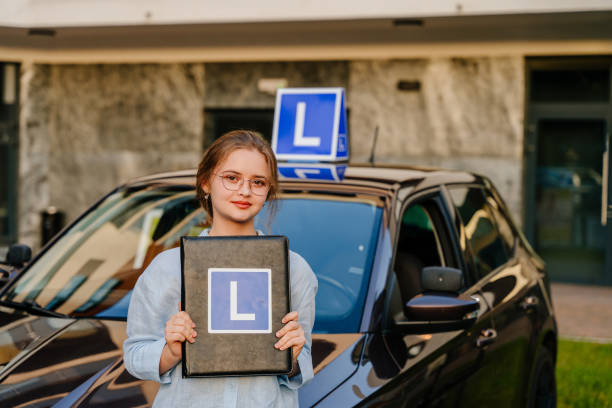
{"type": "Point", "coordinates": [245, 188]}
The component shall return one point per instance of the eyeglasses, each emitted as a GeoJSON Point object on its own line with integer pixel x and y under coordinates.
{"type": "Point", "coordinates": [233, 181]}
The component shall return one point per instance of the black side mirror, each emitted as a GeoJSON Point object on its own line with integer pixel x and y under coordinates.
{"type": "Point", "coordinates": [441, 279]}
{"type": "Point", "coordinates": [435, 308]}
{"type": "Point", "coordinates": [439, 308]}
{"type": "Point", "coordinates": [18, 255]}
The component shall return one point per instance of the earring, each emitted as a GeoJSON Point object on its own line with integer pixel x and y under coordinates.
{"type": "Point", "coordinates": [206, 196]}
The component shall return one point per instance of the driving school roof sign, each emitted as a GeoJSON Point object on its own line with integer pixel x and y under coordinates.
{"type": "Point", "coordinates": [312, 171]}
{"type": "Point", "coordinates": [310, 124]}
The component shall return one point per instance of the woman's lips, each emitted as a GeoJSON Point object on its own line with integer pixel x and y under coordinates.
{"type": "Point", "coordinates": [242, 204]}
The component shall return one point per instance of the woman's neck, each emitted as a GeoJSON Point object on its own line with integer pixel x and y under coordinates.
{"type": "Point", "coordinates": [220, 228]}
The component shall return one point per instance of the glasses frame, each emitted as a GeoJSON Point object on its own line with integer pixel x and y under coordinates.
{"type": "Point", "coordinates": [241, 182]}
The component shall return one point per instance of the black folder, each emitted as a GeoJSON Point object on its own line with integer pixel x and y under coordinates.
{"type": "Point", "coordinates": [236, 291]}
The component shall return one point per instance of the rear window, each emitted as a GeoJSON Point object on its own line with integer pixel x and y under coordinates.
{"type": "Point", "coordinates": [487, 246]}
{"type": "Point", "coordinates": [91, 270]}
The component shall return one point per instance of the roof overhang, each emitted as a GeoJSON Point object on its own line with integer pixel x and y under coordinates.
{"type": "Point", "coordinates": [65, 32]}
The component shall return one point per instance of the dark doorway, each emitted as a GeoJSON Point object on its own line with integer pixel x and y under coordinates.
{"type": "Point", "coordinates": [219, 121]}
{"type": "Point", "coordinates": [569, 117]}
{"type": "Point", "coordinates": [9, 103]}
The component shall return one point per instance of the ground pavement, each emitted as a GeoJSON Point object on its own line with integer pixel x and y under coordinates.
{"type": "Point", "coordinates": [583, 311]}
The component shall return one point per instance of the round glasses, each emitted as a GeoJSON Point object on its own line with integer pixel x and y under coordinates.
{"type": "Point", "coordinates": [233, 181]}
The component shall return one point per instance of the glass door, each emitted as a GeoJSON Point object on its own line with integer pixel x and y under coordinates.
{"type": "Point", "coordinates": [569, 189]}
{"type": "Point", "coordinates": [568, 124]}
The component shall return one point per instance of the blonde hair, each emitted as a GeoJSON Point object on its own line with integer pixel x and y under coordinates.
{"type": "Point", "coordinates": [220, 149]}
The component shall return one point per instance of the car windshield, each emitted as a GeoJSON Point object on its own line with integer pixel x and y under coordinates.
{"type": "Point", "coordinates": [91, 270]}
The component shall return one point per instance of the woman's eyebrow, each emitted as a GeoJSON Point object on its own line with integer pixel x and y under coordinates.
{"type": "Point", "coordinates": [237, 172]}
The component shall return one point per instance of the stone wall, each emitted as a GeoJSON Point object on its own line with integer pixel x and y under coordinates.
{"type": "Point", "coordinates": [467, 115]}
{"type": "Point", "coordinates": [234, 85]}
{"type": "Point", "coordinates": [87, 128]}
{"type": "Point", "coordinates": [35, 124]}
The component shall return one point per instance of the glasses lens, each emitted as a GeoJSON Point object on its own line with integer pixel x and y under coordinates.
{"type": "Point", "coordinates": [259, 186]}
{"type": "Point", "coordinates": [231, 181]}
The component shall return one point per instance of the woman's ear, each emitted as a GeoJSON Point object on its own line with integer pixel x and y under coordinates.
{"type": "Point", "coordinates": [206, 190]}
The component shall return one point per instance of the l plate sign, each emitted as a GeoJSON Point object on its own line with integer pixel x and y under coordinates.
{"type": "Point", "coordinates": [239, 300]}
{"type": "Point", "coordinates": [310, 124]}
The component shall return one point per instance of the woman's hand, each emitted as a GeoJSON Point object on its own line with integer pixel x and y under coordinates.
{"type": "Point", "coordinates": [179, 328]}
{"type": "Point", "coordinates": [291, 335]}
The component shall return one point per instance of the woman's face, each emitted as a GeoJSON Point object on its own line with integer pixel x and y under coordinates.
{"type": "Point", "coordinates": [242, 205]}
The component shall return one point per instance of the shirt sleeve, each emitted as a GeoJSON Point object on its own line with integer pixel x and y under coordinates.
{"type": "Point", "coordinates": [154, 299]}
{"type": "Point", "coordinates": [303, 291]}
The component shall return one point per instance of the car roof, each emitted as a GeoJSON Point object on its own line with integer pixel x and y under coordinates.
{"type": "Point", "coordinates": [380, 176]}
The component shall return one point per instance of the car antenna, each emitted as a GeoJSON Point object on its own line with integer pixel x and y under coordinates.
{"type": "Point", "coordinates": [371, 160]}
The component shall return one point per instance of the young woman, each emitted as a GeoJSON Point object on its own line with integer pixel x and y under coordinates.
{"type": "Point", "coordinates": [236, 176]}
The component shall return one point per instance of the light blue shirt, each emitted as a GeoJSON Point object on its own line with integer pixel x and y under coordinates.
{"type": "Point", "coordinates": [155, 299]}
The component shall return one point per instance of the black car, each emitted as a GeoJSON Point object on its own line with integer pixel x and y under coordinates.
{"type": "Point", "coordinates": [429, 295]}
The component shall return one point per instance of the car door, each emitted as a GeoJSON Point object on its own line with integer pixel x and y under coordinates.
{"type": "Point", "coordinates": [398, 369]}
{"type": "Point", "coordinates": [509, 291]}
{"type": "Point", "coordinates": [466, 353]}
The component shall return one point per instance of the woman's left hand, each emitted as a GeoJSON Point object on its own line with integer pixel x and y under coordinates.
{"type": "Point", "coordinates": [291, 335]}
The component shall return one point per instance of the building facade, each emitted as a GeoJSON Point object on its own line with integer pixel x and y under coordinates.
{"type": "Point", "coordinates": [94, 95]}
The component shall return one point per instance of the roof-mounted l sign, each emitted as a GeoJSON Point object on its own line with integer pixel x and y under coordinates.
{"type": "Point", "coordinates": [310, 124]}
{"type": "Point", "coordinates": [312, 171]}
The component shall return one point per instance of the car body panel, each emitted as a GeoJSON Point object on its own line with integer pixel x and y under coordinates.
{"type": "Point", "coordinates": [77, 362]}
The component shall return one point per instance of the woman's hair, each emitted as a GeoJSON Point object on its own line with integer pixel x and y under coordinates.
{"type": "Point", "coordinates": [220, 149]}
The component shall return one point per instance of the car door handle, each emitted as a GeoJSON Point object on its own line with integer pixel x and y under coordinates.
{"type": "Point", "coordinates": [529, 303]}
{"type": "Point", "coordinates": [487, 337]}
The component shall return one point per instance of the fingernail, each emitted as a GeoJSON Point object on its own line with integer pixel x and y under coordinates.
{"type": "Point", "coordinates": [276, 345]}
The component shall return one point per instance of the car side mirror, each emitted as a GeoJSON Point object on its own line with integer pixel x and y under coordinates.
{"type": "Point", "coordinates": [18, 255]}
{"type": "Point", "coordinates": [439, 308]}
{"type": "Point", "coordinates": [441, 279]}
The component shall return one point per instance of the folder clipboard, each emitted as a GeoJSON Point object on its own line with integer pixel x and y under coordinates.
{"type": "Point", "coordinates": [236, 290]}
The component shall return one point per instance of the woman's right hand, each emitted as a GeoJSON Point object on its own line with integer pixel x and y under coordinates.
{"type": "Point", "coordinates": [179, 328]}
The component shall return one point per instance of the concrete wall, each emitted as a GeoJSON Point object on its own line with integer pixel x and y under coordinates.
{"type": "Point", "coordinates": [467, 115]}
{"type": "Point", "coordinates": [87, 128]}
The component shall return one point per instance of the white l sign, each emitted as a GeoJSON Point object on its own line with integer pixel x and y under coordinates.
{"type": "Point", "coordinates": [234, 315]}
{"type": "Point", "coordinates": [298, 136]}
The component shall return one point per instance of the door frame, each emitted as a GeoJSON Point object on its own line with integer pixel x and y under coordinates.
{"type": "Point", "coordinates": [536, 111]}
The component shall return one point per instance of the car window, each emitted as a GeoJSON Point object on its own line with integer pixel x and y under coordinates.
{"type": "Point", "coordinates": [338, 239]}
{"type": "Point", "coordinates": [420, 244]}
{"type": "Point", "coordinates": [91, 270]}
{"type": "Point", "coordinates": [487, 246]}
{"type": "Point", "coordinates": [501, 222]}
